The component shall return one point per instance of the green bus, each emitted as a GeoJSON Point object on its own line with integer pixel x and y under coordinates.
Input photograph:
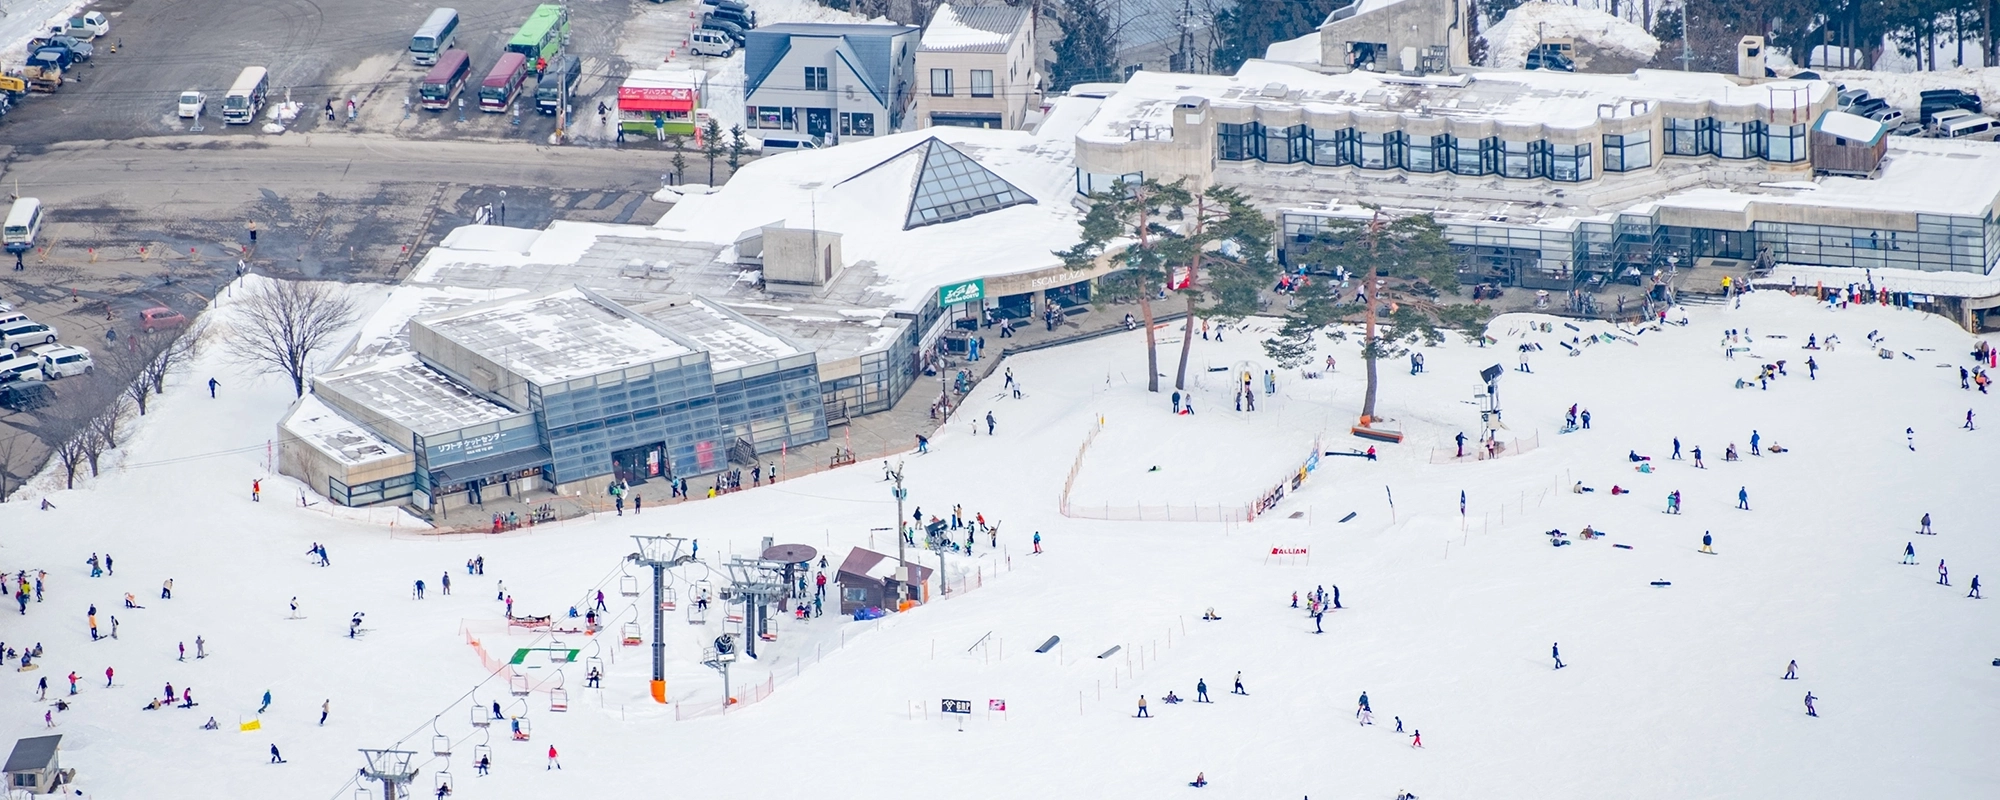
{"type": "Point", "coordinates": [542, 37]}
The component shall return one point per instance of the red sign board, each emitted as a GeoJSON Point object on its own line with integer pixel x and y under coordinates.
{"type": "Point", "coordinates": [655, 98]}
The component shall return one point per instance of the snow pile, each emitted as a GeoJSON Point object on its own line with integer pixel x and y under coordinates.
{"type": "Point", "coordinates": [1509, 41]}
{"type": "Point", "coordinates": [1303, 50]}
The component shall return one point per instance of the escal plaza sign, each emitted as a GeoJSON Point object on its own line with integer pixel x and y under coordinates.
{"type": "Point", "coordinates": [966, 292]}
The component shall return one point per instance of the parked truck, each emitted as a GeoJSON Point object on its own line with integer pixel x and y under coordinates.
{"type": "Point", "coordinates": [89, 26]}
{"type": "Point", "coordinates": [44, 72]}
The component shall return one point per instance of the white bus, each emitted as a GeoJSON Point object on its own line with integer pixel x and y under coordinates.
{"type": "Point", "coordinates": [434, 37]}
{"type": "Point", "coordinates": [24, 222]}
{"type": "Point", "coordinates": [246, 96]}
{"type": "Point", "coordinates": [1976, 128]}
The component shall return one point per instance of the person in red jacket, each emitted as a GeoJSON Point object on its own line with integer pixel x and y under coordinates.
{"type": "Point", "coordinates": [553, 763]}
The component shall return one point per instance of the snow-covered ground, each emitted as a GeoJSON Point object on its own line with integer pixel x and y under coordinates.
{"type": "Point", "coordinates": [1670, 692]}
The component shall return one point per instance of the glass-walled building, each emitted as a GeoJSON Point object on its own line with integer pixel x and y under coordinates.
{"type": "Point", "coordinates": [564, 391]}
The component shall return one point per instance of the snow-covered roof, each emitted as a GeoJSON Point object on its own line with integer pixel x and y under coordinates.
{"type": "Point", "coordinates": [1924, 176]}
{"type": "Point", "coordinates": [1303, 50]}
{"type": "Point", "coordinates": [1949, 284]}
{"type": "Point", "coordinates": [805, 189]}
{"type": "Point", "coordinates": [1555, 99]}
{"type": "Point", "coordinates": [554, 336]}
{"type": "Point", "coordinates": [334, 435]}
{"type": "Point", "coordinates": [972, 29]}
{"type": "Point", "coordinates": [1852, 126]}
{"type": "Point", "coordinates": [731, 339]}
{"type": "Point", "coordinates": [403, 390]}
{"type": "Point", "coordinates": [665, 79]}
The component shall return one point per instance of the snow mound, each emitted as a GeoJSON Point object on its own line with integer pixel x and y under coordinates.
{"type": "Point", "coordinates": [1508, 42]}
{"type": "Point", "coordinates": [1303, 50]}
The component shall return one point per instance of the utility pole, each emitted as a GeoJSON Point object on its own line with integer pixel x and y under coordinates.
{"type": "Point", "coordinates": [660, 553]}
{"type": "Point", "coordinates": [392, 769]}
{"type": "Point", "coordinates": [902, 565]}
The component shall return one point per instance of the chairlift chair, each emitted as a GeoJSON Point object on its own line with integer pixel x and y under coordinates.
{"type": "Point", "coordinates": [557, 651]}
{"type": "Point", "coordinates": [696, 614]}
{"type": "Point", "coordinates": [667, 598]}
{"type": "Point", "coordinates": [362, 793]}
{"type": "Point", "coordinates": [482, 752]}
{"type": "Point", "coordinates": [520, 728]}
{"type": "Point", "coordinates": [558, 700]}
{"type": "Point", "coordinates": [441, 745]}
{"type": "Point", "coordinates": [630, 634]}
{"type": "Point", "coordinates": [517, 684]}
{"type": "Point", "coordinates": [441, 782]}
{"type": "Point", "coordinates": [628, 586]}
{"type": "Point", "coordinates": [480, 717]}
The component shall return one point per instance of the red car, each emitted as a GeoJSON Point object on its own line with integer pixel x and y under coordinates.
{"type": "Point", "coordinates": [153, 319]}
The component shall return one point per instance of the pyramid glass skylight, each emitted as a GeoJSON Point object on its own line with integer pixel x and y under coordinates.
{"type": "Point", "coordinates": [952, 186]}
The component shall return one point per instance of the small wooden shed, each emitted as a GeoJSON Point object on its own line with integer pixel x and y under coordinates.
{"type": "Point", "coordinates": [864, 579]}
{"type": "Point", "coordinates": [1848, 144]}
{"type": "Point", "coordinates": [35, 766]}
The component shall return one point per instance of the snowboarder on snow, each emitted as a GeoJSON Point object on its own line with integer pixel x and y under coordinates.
{"type": "Point", "coordinates": [1239, 684]}
{"type": "Point", "coordinates": [275, 758]}
{"type": "Point", "coordinates": [1810, 711]}
{"type": "Point", "coordinates": [1754, 439]}
{"type": "Point", "coordinates": [1791, 671]}
{"type": "Point", "coordinates": [1944, 576]}
{"type": "Point", "coordinates": [1707, 543]}
{"type": "Point", "coordinates": [1925, 525]}
{"type": "Point", "coordinates": [1142, 707]}
{"type": "Point", "coordinates": [1909, 552]}
{"type": "Point", "coordinates": [1201, 691]}
{"type": "Point", "coordinates": [1743, 498]}
{"type": "Point", "coordinates": [1555, 652]}
{"type": "Point", "coordinates": [1974, 594]}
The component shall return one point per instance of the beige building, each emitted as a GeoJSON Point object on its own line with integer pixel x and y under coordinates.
{"type": "Point", "coordinates": [976, 68]}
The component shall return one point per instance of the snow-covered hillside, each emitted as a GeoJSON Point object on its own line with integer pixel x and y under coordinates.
{"type": "Point", "coordinates": [1448, 619]}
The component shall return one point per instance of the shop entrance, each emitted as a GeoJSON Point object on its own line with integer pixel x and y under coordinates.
{"type": "Point", "coordinates": [639, 464]}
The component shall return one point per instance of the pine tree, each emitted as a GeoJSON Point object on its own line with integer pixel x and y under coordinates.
{"type": "Point", "coordinates": [1408, 264]}
{"type": "Point", "coordinates": [1088, 50]}
{"type": "Point", "coordinates": [737, 145]}
{"type": "Point", "coordinates": [1136, 214]}
{"type": "Point", "coordinates": [1246, 30]}
{"type": "Point", "coordinates": [712, 146]}
{"type": "Point", "coordinates": [1229, 264]}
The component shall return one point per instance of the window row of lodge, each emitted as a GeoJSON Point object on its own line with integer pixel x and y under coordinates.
{"type": "Point", "coordinates": [1493, 155]}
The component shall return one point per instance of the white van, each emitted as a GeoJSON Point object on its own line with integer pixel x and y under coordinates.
{"type": "Point", "coordinates": [710, 42]}
{"type": "Point", "coordinates": [1976, 128]}
{"type": "Point", "coordinates": [24, 223]}
{"type": "Point", "coordinates": [19, 366]}
{"type": "Point", "coordinates": [192, 103]}
{"type": "Point", "coordinates": [64, 360]}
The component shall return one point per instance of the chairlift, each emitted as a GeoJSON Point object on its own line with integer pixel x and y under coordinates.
{"type": "Point", "coordinates": [441, 745]}
{"type": "Point", "coordinates": [667, 598]}
{"type": "Point", "coordinates": [628, 586]}
{"type": "Point", "coordinates": [517, 684]}
{"type": "Point", "coordinates": [697, 615]}
{"type": "Point", "coordinates": [593, 664]}
{"type": "Point", "coordinates": [520, 728]}
{"type": "Point", "coordinates": [558, 696]}
{"type": "Point", "coordinates": [480, 717]}
{"type": "Point", "coordinates": [483, 753]}
{"type": "Point", "coordinates": [557, 652]}
{"type": "Point", "coordinates": [630, 635]}
{"type": "Point", "coordinates": [441, 780]}
{"type": "Point", "coordinates": [362, 793]}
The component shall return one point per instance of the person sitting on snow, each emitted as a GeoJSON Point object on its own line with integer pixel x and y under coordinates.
{"type": "Point", "coordinates": [1634, 456]}
{"type": "Point", "coordinates": [1200, 780]}
{"type": "Point", "coordinates": [210, 725]}
{"type": "Point", "coordinates": [1617, 490]}
{"type": "Point", "coordinates": [1644, 466]}
{"type": "Point", "coordinates": [1587, 532]}
{"type": "Point", "coordinates": [1171, 697]}
{"type": "Point", "coordinates": [1210, 614]}
{"type": "Point", "coordinates": [1729, 454]}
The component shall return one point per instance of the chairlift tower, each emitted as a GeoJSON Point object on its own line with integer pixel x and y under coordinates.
{"type": "Point", "coordinates": [660, 553]}
{"type": "Point", "coordinates": [391, 768]}
{"type": "Point", "coordinates": [759, 582]}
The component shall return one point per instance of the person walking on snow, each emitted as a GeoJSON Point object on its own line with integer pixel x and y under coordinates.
{"type": "Point", "coordinates": [553, 763]}
{"type": "Point", "coordinates": [444, 581]}
{"type": "Point", "coordinates": [1361, 705]}
{"type": "Point", "coordinates": [600, 600]}
{"type": "Point", "coordinates": [1974, 594]}
{"type": "Point", "coordinates": [1697, 457]}
{"type": "Point", "coordinates": [1743, 498]}
{"type": "Point", "coordinates": [1812, 369]}
{"type": "Point", "coordinates": [1909, 552]}
{"type": "Point", "coordinates": [1791, 671]}
{"type": "Point", "coordinates": [211, 388]}
{"type": "Point", "coordinates": [1555, 652]}
{"type": "Point", "coordinates": [1038, 541]}
{"type": "Point", "coordinates": [1367, 717]}
{"type": "Point", "coordinates": [267, 702]}
{"type": "Point", "coordinates": [1968, 420]}
{"type": "Point", "coordinates": [107, 677]}
{"type": "Point", "coordinates": [1417, 739]}
{"type": "Point", "coordinates": [989, 423]}
{"type": "Point", "coordinates": [1944, 576]}
{"type": "Point", "coordinates": [325, 707]}
{"type": "Point", "coordinates": [1677, 448]}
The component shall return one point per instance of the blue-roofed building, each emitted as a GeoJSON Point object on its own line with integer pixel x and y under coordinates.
{"type": "Point", "coordinates": [810, 84]}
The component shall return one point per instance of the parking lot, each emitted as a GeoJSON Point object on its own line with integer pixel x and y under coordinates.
{"type": "Point", "coordinates": [315, 51]}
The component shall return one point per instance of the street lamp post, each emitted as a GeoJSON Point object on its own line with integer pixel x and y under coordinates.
{"type": "Point", "coordinates": [503, 207]}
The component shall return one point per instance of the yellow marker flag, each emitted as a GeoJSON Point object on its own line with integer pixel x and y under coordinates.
{"type": "Point", "coordinates": [251, 725]}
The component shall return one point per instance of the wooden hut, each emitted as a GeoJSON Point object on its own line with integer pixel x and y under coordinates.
{"type": "Point", "coordinates": [35, 766]}
{"type": "Point", "coordinates": [1848, 144]}
{"type": "Point", "coordinates": [865, 577]}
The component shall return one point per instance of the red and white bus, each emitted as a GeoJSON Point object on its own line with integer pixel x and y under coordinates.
{"type": "Point", "coordinates": [445, 79]}
{"type": "Point", "coordinates": [497, 92]}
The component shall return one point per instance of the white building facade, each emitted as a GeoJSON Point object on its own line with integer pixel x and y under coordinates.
{"type": "Point", "coordinates": [814, 85]}
{"type": "Point", "coordinates": [976, 68]}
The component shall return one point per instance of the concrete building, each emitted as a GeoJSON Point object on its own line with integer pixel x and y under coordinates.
{"type": "Point", "coordinates": [812, 84]}
{"type": "Point", "coordinates": [976, 67]}
{"type": "Point", "coordinates": [1412, 37]}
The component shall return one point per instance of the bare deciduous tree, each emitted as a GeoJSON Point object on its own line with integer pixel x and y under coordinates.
{"type": "Point", "coordinates": [144, 367]}
{"type": "Point", "coordinates": [72, 428]}
{"type": "Point", "coordinates": [283, 322]}
{"type": "Point", "coordinates": [103, 430]}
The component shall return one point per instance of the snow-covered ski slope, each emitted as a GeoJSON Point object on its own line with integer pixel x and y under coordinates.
{"type": "Point", "coordinates": [1669, 693]}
